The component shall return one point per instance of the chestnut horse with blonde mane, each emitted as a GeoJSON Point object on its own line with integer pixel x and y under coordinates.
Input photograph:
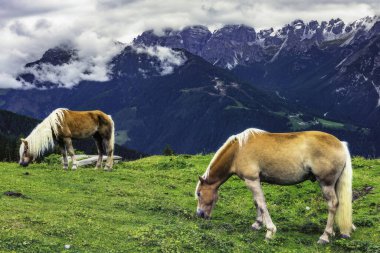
{"type": "Point", "coordinates": [286, 159]}
{"type": "Point", "coordinates": [63, 125]}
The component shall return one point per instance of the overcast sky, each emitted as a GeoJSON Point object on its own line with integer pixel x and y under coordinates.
{"type": "Point", "coordinates": [30, 27]}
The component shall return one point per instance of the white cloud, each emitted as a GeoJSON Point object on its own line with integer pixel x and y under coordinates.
{"type": "Point", "coordinates": [8, 81]}
{"type": "Point", "coordinates": [29, 28]}
{"type": "Point", "coordinates": [168, 58]}
{"type": "Point", "coordinates": [94, 55]}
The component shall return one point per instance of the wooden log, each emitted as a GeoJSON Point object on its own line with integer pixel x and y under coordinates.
{"type": "Point", "coordinates": [93, 159]}
{"type": "Point", "coordinates": [84, 160]}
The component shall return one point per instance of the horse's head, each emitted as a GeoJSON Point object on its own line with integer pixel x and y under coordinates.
{"type": "Point", "coordinates": [207, 195]}
{"type": "Point", "coordinates": [25, 156]}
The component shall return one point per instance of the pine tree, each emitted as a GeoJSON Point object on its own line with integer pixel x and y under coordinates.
{"type": "Point", "coordinates": [168, 151]}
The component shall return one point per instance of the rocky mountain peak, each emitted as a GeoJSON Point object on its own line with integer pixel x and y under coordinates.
{"type": "Point", "coordinates": [237, 33]}
{"type": "Point", "coordinates": [56, 56]}
{"type": "Point", "coordinates": [264, 33]}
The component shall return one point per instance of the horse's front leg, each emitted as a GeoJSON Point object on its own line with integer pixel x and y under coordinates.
{"type": "Point", "coordinates": [64, 155]}
{"type": "Point", "coordinates": [255, 187]}
{"type": "Point", "coordinates": [70, 150]}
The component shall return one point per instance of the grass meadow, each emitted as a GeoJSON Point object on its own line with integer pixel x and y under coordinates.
{"type": "Point", "coordinates": [148, 205]}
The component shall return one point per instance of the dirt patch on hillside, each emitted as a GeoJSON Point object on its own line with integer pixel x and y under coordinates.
{"type": "Point", "coordinates": [358, 193]}
{"type": "Point", "coordinates": [15, 194]}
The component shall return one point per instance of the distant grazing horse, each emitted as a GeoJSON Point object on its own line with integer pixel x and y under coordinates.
{"type": "Point", "coordinates": [285, 159]}
{"type": "Point", "coordinates": [61, 126]}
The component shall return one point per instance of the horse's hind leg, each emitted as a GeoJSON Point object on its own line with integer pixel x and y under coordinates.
{"type": "Point", "coordinates": [99, 145]}
{"type": "Point", "coordinates": [70, 150]}
{"type": "Point", "coordinates": [332, 201]}
{"type": "Point", "coordinates": [255, 187]}
{"type": "Point", "coordinates": [109, 149]}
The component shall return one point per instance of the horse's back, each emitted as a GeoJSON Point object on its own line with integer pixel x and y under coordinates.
{"type": "Point", "coordinates": [288, 158]}
{"type": "Point", "coordinates": [312, 143]}
{"type": "Point", "coordinates": [83, 124]}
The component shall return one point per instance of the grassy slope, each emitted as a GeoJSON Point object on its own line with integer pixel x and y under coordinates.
{"type": "Point", "coordinates": [148, 205]}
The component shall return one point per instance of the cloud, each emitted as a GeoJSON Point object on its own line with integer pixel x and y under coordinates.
{"type": "Point", "coordinates": [9, 82]}
{"type": "Point", "coordinates": [29, 28]}
{"type": "Point", "coordinates": [168, 58]}
{"type": "Point", "coordinates": [42, 24]}
{"type": "Point", "coordinates": [19, 29]}
{"type": "Point", "coordinates": [70, 74]}
{"type": "Point", "coordinates": [91, 64]}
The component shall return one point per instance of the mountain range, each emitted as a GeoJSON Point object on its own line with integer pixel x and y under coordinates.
{"type": "Point", "coordinates": [328, 67]}
{"type": "Point", "coordinates": [193, 88]}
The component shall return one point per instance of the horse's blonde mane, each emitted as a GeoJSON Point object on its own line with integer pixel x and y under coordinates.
{"type": "Point", "coordinates": [41, 138]}
{"type": "Point", "coordinates": [241, 138]}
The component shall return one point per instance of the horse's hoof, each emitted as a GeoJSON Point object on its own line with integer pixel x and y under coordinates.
{"type": "Point", "coordinates": [268, 238]}
{"type": "Point", "coordinates": [106, 168]}
{"type": "Point", "coordinates": [256, 227]}
{"type": "Point", "coordinates": [270, 234]}
{"type": "Point", "coordinates": [345, 236]}
{"type": "Point", "coordinates": [322, 242]}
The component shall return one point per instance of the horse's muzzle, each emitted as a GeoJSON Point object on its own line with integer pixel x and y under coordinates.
{"type": "Point", "coordinates": [202, 214]}
{"type": "Point", "coordinates": [23, 164]}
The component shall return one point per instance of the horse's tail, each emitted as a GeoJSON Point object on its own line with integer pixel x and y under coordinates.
{"type": "Point", "coordinates": [344, 192]}
{"type": "Point", "coordinates": [112, 139]}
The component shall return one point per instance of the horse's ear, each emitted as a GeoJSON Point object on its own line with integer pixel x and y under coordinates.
{"type": "Point", "coordinates": [201, 179]}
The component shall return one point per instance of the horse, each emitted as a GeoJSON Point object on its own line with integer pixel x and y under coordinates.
{"type": "Point", "coordinates": [63, 125]}
{"type": "Point", "coordinates": [257, 156]}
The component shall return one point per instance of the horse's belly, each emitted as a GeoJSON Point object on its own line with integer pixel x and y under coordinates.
{"type": "Point", "coordinates": [285, 176]}
{"type": "Point", "coordinates": [84, 133]}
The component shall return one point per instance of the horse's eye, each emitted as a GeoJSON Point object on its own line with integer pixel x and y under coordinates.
{"type": "Point", "coordinates": [198, 194]}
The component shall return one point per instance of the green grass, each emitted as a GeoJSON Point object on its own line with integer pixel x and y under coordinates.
{"type": "Point", "coordinates": [331, 124]}
{"type": "Point", "coordinates": [297, 124]}
{"type": "Point", "coordinates": [238, 105]}
{"type": "Point", "coordinates": [148, 206]}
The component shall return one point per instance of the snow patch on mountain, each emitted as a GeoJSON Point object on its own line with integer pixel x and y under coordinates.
{"type": "Point", "coordinates": [377, 88]}
{"type": "Point", "coordinates": [220, 87]}
{"type": "Point", "coordinates": [308, 34]}
{"type": "Point", "coordinates": [340, 90]}
{"type": "Point", "coordinates": [341, 62]}
{"type": "Point", "coordinates": [278, 52]}
{"type": "Point", "coordinates": [365, 23]}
